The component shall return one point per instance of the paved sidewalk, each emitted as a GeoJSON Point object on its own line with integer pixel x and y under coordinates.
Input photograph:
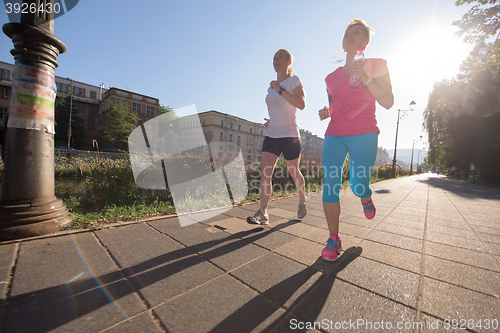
{"type": "Point", "coordinates": [431, 254]}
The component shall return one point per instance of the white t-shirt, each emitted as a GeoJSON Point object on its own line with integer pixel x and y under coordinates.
{"type": "Point", "coordinates": [282, 114]}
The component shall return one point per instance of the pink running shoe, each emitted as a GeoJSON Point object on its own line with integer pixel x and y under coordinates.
{"type": "Point", "coordinates": [369, 209]}
{"type": "Point", "coordinates": [331, 251]}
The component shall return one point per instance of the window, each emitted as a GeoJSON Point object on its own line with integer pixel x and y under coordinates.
{"type": "Point", "coordinates": [62, 88]}
{"type": "Point", "coordinates": [78, 107]}
{"type": "Point", "coordinates": [239, 127]}
{"type": "Point", "coordinates": [3, 116]}
{"type": "Point", "coordinates": [238, 140]}
{"type": "Point", "coordinates": [231, 125]}
{"type": "Point", "coordinates": [251, 130]}
{"type": "Point", "coordinates": [4, 74]}
{"type": "Point", "coordinates": [203, 122]}
{"type": "Point", "coordinates": [250, 141]}
{"type": "Point", "coordinates": [221, 137]}
{"type": "Point", "coordinates": [249, 151]}
{"type": "Point", "coordinates": [137, 108]}
{"type": "Point", "coordinates": [230, 138]}
{"type": "Point", "coordinates": [222, 123]}
{"type": "Point", "coordinates": [261, 132]}
{"type": "Point", "coordinates": [220, 148]}
{"type": "Point", "coordinates": [150, 111]}
{"type": "Point", "coordinates": [79, 92]}
{"type": "Point", "coordinates": [93, 94]}
{"type": "Point", "coordinates": [4, 93]}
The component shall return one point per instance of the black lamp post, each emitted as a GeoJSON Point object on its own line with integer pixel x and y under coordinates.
{"type": "Point", "coordinates": [401, 115]}
{"type": "Point", "coordinates": [28, 205]}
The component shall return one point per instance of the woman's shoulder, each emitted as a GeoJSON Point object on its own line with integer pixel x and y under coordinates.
{"type": "Point", "coordinates": [376, 67]}
{"type": "Point", "coordinates": [330, 76]}
{"type": "Point", "coordinates": [292, 81]}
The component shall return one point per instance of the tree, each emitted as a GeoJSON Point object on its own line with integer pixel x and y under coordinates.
{"type": "Point", "coordinates": [62, 120]}
{"type": "Point", "coordinates": [462, 117]}
{"type": "Point", "coordinates": [116, 126]}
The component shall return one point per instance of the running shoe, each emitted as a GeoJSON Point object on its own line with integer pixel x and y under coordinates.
{"type": "Point", "coordinates": [331, 251]}
{"type": "Point", "coordinates": [302, 212]}
{"type": "Point", "coordinates": [260, 217]}
{"type": "Point", "coordinates": [369, 209]}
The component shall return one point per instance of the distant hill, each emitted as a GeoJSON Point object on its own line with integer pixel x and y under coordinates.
{"type": "Point", "coordinates": [405, 155]}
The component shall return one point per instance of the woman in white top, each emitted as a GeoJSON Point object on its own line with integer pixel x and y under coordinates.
{"type": "Point", "coordinates": [284, 96]}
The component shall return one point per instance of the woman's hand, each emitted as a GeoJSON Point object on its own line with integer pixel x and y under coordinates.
{"type": "Point", "coordinates": [275, 85]}
{"type": "Point", "coordinates": [324, 113]}
{"type": "Point", "coordinates": [266, 124]}
{"type": "Point", "coordinates": [358, 68]}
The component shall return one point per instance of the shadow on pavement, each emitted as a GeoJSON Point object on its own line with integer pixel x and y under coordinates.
{"type": "Point", "coordinates": [47, 309]}
{"type": "Point", "coordinates": [462, 188]}
{"type": "Point", "coordinates": [285, 290]}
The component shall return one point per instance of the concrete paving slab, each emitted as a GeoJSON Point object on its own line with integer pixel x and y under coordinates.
{"type": "Point", "coordinates": [293, 324]}
{"type": "Point", "coordinates": [489, 238]}
{"type": "Point", "coordinates": [403, 242]}
{"type": "Point", "coordinates": [269, 239]}
{"type": "Point", "coordinates": [196, 234]}
{"type": "Point", "coordinates": [316, 221]}
{"type": "Point", "coordinates": [61, 310]}
{"type": "Point", "coordinates": [283, 213]}
{"type": "Point", "coordinates": [494, 248]}
{"type": "Point", "coordinates": [465, 256]}
{"type": "Point", "coordinates": [230, 253]}
{"type": "Point", "coordinates": [353, 230]}
{"type": "Point", "coordinates": [8, 255]}
{"type": "Point", "coordinates": [53, 262]}
{"type": "Point", "coordinates": [473, 278]}
{"type": "Point", "coordinates": [235, 225]}
{"type": "Point", "coordinates": [301, 250]}
{"type": "Point", "coordinates": [165, 225]}
{"type": "Point", "coordinates": [463, 243]}
{"type": "Point", "coordinates": [355, 308]}
{"type": "Point", "coordinates": [143, 322]}
{"type": "Point", "coordinates": [486, 230]}
{"type": "Point", "coordinates": [391, 282]}
{"type": "Point", "coordinates": [406, 216]}
{"type": "Point", "coordinates": [169, 276]}
{"type": "Point", "coordinates": [280, 279]}
{"type": "Point", "coordinates": [200, 310]}
{"type": "Point", "coordinates": [299, 229]}
{"type": "Point", "coordinates": [393, 256]}
{"type": "Point", "coordinates": [134, 244]}
{"type": "Point", "coordinates": [401, 230]}
{"type": "Point", "coordinates": [411, 224]}
{"type": "Point", "coordinates": [449, 302]}
{"type": "Point", "coordinates": [439, 229]}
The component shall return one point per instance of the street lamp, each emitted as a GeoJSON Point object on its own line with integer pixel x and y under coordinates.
{"type": "Point", "coordinates": [401, 115]}
{"type": "Point", "coordinates": [411, 163]}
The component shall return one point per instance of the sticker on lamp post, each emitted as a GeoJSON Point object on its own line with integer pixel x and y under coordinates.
{"type": "Point", "coordinates": [204, 178]}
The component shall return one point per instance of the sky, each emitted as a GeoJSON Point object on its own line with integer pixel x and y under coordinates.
{"type": "Point", "coordinates": [217, 55]}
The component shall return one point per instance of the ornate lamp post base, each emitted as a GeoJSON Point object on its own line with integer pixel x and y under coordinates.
{"type": "Point", "coordinates": [30, 219]}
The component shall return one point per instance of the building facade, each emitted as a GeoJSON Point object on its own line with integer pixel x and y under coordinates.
{"type": "Point", "coordinates": [89, 102]}
{"type": "Point", "coordinates": [215, 127]}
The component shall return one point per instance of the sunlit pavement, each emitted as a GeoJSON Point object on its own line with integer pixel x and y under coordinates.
{"type": "Point", "coordinates": [430, 257]}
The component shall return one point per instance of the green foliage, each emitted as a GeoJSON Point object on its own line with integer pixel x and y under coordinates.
{"type": "Point", "coordinates": [116, 126]}
{"type": "Point", "coordinates": [462, 116]}
{"type": "Point", "coordinates": [166, 109]}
